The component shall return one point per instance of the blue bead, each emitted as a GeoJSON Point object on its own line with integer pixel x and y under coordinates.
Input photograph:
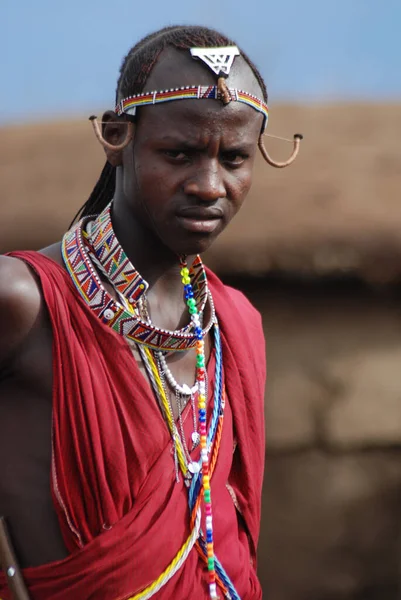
{"type": "Point", "coordinates": [209, 537]}
{"type": "Point", "coordinates": [202, 419]}
{"type": "Point", "coordinates": [202, 412]}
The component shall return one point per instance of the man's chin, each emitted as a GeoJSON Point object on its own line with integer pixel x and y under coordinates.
{"type": "Point", "coordinates": [196, 245]}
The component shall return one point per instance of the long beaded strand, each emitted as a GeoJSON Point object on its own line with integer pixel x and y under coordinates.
{"type": "Point", "coordinates": [200, 378]}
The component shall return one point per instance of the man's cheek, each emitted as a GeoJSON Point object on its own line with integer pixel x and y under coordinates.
{"type": "Point", "coordinates": [244, 184]}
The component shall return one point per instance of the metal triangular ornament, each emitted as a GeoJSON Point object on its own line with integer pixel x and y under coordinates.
{"type": "Point", "coordinates": [220, 59]}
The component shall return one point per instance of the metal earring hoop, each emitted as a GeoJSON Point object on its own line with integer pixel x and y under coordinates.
{"type": "Point", "coordinates": [280, 165]}
{"type": "Point", "coordinates": [105, 144]}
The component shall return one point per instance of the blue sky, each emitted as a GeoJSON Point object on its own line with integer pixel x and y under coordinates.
{"type": "Point", "coordinates": [62, 58]}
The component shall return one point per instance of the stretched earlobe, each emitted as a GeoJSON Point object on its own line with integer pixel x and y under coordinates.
{"type": "Point", "coordinates": [280, 165]}
{"type": "Point", "coordinates": [106, 145]}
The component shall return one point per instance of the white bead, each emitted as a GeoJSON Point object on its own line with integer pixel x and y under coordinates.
{"type": "Point", "coordinates": [195, 437]}
{"type": "Point", "coordinates": [11, 571]}
{"type": "Point", "coordinates": [108, 314]}
{"type": "Point", "coordinates": [193, 467]}
{"type": "Point", "coordinates": [213, 590]}
{"type": "Point", "coordinates": [209, 522]}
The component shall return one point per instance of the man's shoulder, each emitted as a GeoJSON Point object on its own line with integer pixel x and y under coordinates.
{"type": "Point", "coordinates": [18, 285]}
{"type": "Point", "coordinates": [20, 303]}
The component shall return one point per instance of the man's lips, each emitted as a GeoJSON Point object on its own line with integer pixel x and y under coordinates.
{"type": "Point", "coordinates": [201, 213]}
{"type": "Point", "coordinates": [200, 219]}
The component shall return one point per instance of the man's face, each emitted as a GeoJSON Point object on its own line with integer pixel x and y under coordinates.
{"type": "Point", "coordinates": [190, 166]}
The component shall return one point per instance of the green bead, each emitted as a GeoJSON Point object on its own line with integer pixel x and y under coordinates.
{"type": "Point", "coordinates": [191, 302]}
{"type": "Point", "coordinates": [206, 494]}
{"type": "Point", "coordinates": [192, 310]}
{"type": "Point", "coordinates": [210, 563]}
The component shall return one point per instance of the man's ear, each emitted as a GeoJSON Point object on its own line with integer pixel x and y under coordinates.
{"type": "Point", "coordinates": [115, 131]}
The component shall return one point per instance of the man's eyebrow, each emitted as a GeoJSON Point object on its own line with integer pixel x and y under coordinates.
{"type": "Point", "coordinates": [177, 139]}
{"type": "Point", "coordinates": [182, 142]}
{"type": "Point", "coordinates": [186, 144]}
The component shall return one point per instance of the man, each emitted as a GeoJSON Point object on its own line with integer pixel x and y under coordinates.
{"type": "Point", "coordinates": [131, 397]}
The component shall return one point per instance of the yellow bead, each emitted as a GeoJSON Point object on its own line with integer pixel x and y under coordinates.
{"type": "Point", "coordinates": [206, 481]}
{"type": "Point", "coordinates": [202, 398]}
{"type": "Point", "coordinates": [201, 405]}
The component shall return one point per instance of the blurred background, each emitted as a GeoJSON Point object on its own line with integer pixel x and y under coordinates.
{"type": "Point", "coordinates": [317, 247]}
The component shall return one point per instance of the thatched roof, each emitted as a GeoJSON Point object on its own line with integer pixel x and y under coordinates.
{"type": "Point", "coordinates": [336, 209]}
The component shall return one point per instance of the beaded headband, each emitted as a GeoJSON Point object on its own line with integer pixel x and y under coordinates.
{"type": "Point", "coordinates": [196, 92]}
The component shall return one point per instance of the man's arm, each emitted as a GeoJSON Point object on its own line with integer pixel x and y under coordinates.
{"type": "Point", "coordinates": [20, 302]}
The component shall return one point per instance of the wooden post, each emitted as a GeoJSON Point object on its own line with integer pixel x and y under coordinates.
{"type": "Point", "coordinates": [9, 564]}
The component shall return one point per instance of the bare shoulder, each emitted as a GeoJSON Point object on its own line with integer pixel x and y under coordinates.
{"type": "Point", "coordinates": [20, 304]}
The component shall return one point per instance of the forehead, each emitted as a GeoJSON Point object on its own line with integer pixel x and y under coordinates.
{"type": "Point", "coordinates": [177, 68]}
{"type": "Point", "coordinates": [201, 119]}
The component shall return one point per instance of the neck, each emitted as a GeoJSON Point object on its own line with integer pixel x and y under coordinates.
{"type": "Point", "coordinates": [158, 265]}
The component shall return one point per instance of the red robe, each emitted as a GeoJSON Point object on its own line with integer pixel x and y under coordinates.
{"type": "Point", "coordinates": [122, 514]}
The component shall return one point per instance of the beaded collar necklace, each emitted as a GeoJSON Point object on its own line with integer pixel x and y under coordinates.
{"type": "Point", "coordinates": [106, 252]}
{"type": "Point", "coordinates": [77, 254]}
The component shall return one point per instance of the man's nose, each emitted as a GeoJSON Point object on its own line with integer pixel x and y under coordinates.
{"type": "Point", "coordinates": [206, 184]}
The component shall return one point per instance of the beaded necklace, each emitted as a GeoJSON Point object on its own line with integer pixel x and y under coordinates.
{"type": "Point", "coordinates": [77, 254]}
{"type": "Point", "coordinates": [111, 312]}
{"type": "Point", "coordinates": [198, 475]}
{"type": "Point", "coordinates": [183, 390]}
{"type": "Point", "coordinates": [103, 245]}
{"type": "Point", "coordinates": [200, 378]}
{"type": "Point", "coordinates": [182, 394]}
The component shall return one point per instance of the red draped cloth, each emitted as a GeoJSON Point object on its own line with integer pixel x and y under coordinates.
{"type": "Point", "coordinates": [122, 514]}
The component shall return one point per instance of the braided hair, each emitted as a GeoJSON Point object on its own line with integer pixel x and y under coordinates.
{"type": "Point", "coordinates": [134, 72]}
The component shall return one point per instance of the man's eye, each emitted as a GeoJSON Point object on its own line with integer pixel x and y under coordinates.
{"type": "Point", "coordinates": [176, 154]}
{"type": "Point", "coordinates": [234, 158]}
